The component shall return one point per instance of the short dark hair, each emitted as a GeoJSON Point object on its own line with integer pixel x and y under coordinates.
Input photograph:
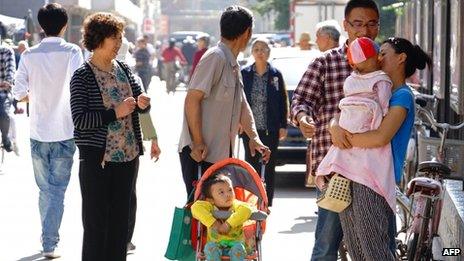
{"type": "Point", "coordinates": [352, 4]}
{"type": "Point", "coordinates": [219, 177]}
{"type": "Point", "coordinates": [52, 18]}
{"type": "Point", "coordinates": [235, 20]}
{"type": "Point", "coordinates": [99, 26]}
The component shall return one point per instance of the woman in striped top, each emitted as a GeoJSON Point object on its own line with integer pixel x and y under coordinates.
{"type": "Point", "coordinates": [105, 101]}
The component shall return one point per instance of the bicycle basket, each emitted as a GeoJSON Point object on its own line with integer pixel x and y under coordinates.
{"type": "Point", "coordinates": [454, 152]}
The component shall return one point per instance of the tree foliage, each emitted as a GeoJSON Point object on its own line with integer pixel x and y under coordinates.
{"type": "Point", "coordinates": [387, 19]}
{"type": "Point", "coordinates": [280, 7]}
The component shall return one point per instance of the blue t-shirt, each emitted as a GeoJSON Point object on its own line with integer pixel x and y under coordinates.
{"type": "Point", "coordinates": [402, 97]}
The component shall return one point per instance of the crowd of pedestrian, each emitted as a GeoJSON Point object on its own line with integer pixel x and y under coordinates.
{"type": "Point", "coordinates": [97, 102]}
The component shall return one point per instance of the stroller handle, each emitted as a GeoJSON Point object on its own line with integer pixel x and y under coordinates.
{"type": "Point", "coordinates": [257, 215]}
{"type": "Point", "coordinates": [263, 168]}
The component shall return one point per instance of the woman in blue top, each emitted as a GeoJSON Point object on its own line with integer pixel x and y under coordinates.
{"type": "Point", "coordinates": [266, 93]}
{"type": "Point", "coordinates": [399, 59]}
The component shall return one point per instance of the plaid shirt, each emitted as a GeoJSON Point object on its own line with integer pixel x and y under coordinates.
{"type": "Point", "coordinates": [7, 64]}
{"type": "Point", "coordinates": [318, 93]}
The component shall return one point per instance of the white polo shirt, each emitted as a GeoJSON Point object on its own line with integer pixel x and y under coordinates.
{"type": "Point", "coordinates": [44, 73]}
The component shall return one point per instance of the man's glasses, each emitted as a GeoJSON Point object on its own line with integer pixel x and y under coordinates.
{"type": "Point", "coordinates": [358, 25]}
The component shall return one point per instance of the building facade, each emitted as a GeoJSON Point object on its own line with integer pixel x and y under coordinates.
{"type": "Point", "coordinates": [129, 10]}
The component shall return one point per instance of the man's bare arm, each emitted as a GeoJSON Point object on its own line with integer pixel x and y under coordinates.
{"type": "Point", "coordinates": [193, 114]}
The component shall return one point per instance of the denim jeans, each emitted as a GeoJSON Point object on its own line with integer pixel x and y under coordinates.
{"type": "Point", "coordinates": [52, 163]}
{"type": "Point", "coordinates": [5, 119]}
{"type": "Point", "coordinates": [329, 234]}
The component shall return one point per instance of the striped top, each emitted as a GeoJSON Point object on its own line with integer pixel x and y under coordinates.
{"type": "Point", "coordinates": [7, 64]}
{"type": "Point", "coordinates": [90, 117]}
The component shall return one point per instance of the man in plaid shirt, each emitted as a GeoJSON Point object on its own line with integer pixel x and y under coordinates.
{"type": "Point", "coordinates": [315, 103]}
{"type": "Point", "coordinates": [7, 72]}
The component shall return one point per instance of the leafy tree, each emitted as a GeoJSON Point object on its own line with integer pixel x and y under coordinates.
{"type": "Point", "coordinates": [281, 7]}
{"type": "Point", "coordinates": [387, 18]}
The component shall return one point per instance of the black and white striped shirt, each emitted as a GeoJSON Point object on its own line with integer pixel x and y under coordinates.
{"type": "Point", "coordinates": [7, 65]}
{"type": "Point", "coordinates": [90, 117]}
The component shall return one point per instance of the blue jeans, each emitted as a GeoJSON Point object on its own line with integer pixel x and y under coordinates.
{"type": "Point", "coordinates": [5, 119]}
{"type": "Point", "coordinates": [52, 163]}
{"type": "Point", "coordinates": [329, 234]}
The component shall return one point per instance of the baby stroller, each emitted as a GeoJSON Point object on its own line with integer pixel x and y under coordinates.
{"type": "Point", "coordinates": [248, 187]}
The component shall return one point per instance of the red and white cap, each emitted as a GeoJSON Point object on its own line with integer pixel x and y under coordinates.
{"type": "Point", "coordinates": [361, 49]}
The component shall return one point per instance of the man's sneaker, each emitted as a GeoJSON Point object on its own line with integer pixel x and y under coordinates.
{"type": "Point", "coordinates": [50, 255]}
{"type": "Point", "coordinates": [130, 247]}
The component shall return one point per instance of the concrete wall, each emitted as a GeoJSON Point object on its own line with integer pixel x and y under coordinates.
{"type": "Point", "coordinates": [451, 229]}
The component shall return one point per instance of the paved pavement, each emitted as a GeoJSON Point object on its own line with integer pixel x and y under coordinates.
{"type": "Point", "coordinates": [290, 229]}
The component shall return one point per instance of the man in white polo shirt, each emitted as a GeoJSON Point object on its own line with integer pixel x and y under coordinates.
{"type": "Point", "coordinates": [43, 78]}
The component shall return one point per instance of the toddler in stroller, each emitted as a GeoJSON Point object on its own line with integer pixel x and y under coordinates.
{"type": "Point", "coordinates": [228, 201]}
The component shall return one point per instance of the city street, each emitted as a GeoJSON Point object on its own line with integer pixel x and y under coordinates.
{"type": "Point", "coordinates": [290, 227]}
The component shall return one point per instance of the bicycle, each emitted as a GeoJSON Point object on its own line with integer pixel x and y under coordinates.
{"type": "Point", "coordinates": [411, 159]}
{"type": "Point", "coordinates": [426, 190]}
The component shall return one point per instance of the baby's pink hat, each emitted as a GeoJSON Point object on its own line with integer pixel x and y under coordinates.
{"type": "Point", "coordinates": [361, 49]}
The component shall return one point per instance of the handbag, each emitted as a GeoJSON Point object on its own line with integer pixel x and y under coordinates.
{"type": "Point", "coordinates": [337, 195]}
{"type": "Point", "coordinates": [180, 245]}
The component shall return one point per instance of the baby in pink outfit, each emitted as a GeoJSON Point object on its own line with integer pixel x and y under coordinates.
{"type": "Point", "coordinates": [367, 92]}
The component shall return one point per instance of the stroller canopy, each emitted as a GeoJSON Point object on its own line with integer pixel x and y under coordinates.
{"type": "Point", "coordinates": [242, 174]}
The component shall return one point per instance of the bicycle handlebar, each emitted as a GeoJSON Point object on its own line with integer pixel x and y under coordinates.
{"type": "Point", "coordinates": [420, 95]}
{"type": "Point", "coordinates": [442, 125]}
{"type": "Point", "coordinates": [431, 97]}
{"type": "Point", "coordinates": [445, 127]}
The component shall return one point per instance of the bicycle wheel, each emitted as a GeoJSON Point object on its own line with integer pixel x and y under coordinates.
{"type": "Point", "coordinates": [417, 247]}
{"type": "Point", "coordinates": [419, 253]}
{"type": "Point", "coordinates": [403, 211]}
